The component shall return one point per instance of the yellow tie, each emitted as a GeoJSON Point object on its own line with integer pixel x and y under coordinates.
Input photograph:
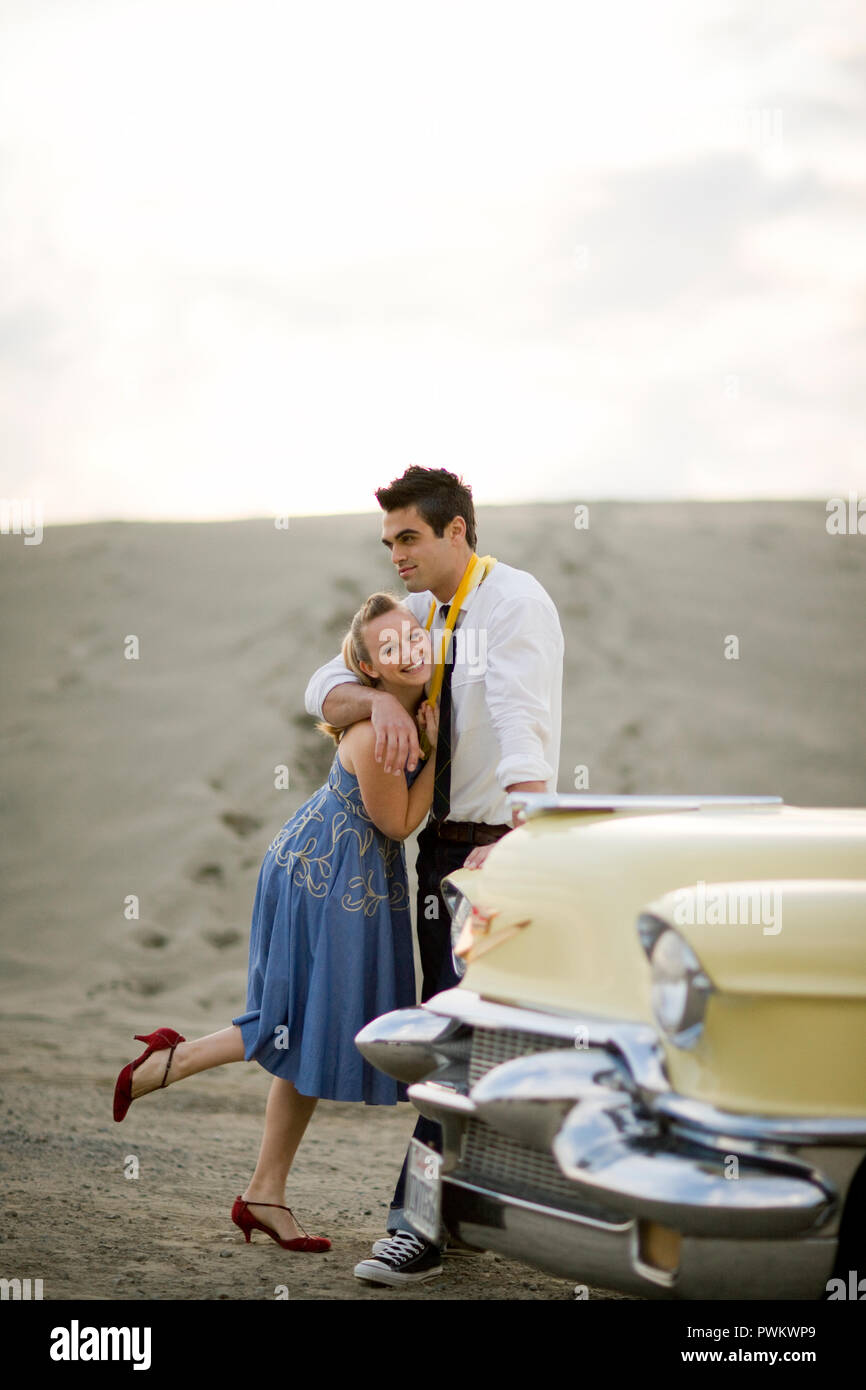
{"type": "Point", "coordinates": [478, 568]}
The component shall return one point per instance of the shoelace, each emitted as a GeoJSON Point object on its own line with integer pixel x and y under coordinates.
{"type": "Point", "coordinates": [402, 1246]}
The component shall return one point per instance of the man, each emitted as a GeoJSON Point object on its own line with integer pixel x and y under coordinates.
{"type": "Point", "coordinates": [500, 710]}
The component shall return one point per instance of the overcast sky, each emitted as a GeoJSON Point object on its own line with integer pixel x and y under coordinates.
{"type": "Point", "coordinates": [258, 256]}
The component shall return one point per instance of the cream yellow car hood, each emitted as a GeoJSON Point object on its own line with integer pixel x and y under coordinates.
{"type": "Point", "coordinates": [584, 878]}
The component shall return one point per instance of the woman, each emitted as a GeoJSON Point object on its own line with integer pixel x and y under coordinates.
{"type": "Point", "coordinates": [331, 942]}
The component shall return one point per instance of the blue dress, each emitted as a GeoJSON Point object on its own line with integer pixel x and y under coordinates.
{"type": "Point", "coordinates": [330, 946]}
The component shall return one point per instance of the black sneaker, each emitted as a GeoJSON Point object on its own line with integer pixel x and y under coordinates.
{"type": "Point", "coordinates": [405, 1260]}
{"type": "Point", "coordinates": [384, 1243]}
{"type": "Point", "coordinates": [452, 1246]}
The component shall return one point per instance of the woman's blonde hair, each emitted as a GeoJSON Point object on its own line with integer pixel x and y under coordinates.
{"type": "Point", "coordinates": [354, 649]}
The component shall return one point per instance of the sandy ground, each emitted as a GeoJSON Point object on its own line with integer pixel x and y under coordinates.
{"type": "Point", "coordinates": [72, 1216]}
{"type": "Point", "coordinates": [155, 777]}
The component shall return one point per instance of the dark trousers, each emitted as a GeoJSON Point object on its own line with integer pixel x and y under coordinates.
{"type": "Point", "coordinates": [436, 858]}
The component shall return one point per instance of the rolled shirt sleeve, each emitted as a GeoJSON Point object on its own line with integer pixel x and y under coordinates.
{"type": "Point", "coordinates": [522, 685]}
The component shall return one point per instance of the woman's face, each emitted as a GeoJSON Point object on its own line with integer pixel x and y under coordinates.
{"type": "Point", "coordinates": [400, 649]}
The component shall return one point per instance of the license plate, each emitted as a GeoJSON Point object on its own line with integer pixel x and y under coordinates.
{"type": "Point", "coordinates": [424, 1190]}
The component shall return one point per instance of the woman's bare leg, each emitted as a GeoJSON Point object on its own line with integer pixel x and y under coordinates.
{"type": "Point", "coordinates": [287, 1115]}
{"type": "Point", "coordinates": [200, 1054]}
{"type": "Point", "coordinates": [286, 1118]}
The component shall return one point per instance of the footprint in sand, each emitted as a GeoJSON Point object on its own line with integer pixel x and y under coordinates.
{"type": "Point", "coordinates": [154, 940]}
{"type": "Point", "coordinates": [241, 823]}
{"type": "Point", "coordinates": [222, 937]}
{"type": "Point", "coordinates": [146, 987]}
{"type": "Point", "coordinates": [209, 873]}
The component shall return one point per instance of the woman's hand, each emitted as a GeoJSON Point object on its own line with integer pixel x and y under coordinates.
{"type": "Point", "coordinates": [428, 721]}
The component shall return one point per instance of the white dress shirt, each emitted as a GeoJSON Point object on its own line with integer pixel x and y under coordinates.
{"type": "Point", "coordinates": [506, 690]}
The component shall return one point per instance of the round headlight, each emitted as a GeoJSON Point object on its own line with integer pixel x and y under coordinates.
{"type": "Point", "coordinates": [460, 909]}
{"type": "Point", "coordinates": [680, 988]}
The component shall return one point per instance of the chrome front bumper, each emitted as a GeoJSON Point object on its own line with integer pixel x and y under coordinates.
{"type": "Point", "coordinates": [564, 1146]}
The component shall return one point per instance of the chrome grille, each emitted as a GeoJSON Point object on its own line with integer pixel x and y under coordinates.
{"type": "Point", "coordinates": [501, 1163]}
{"type": "Point", "coordinates": [497, 1161]}
{"type": "Point", "coordinates": [491, 1046]}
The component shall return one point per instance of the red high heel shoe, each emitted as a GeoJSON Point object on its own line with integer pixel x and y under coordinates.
{"type": "Point", "coordinates": [243, 1217]}
{"type": "Point", "coordinates": [163, 1037]}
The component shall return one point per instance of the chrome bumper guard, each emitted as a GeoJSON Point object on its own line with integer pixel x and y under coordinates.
{"type": "Point", "coordinates": [599, 1102]}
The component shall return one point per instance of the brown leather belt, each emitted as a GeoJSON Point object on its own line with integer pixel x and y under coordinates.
{"type": "Point", "coordinates": [467, 831]}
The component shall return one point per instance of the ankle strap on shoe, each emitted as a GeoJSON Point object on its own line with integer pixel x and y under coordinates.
{"type": "Point", "coordinates": [277, 1206]}
{"type": "Point", "coordinates": [167, 1065]}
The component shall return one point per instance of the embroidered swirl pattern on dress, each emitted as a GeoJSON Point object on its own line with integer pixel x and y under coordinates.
{"type": "Point", "coordinates": [313, 871]}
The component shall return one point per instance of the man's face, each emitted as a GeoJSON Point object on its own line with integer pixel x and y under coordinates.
{"type": "Point", "coordinates": [421, 558]}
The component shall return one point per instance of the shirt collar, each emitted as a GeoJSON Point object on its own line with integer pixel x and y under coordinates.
{"type": "Point", "coordinates": [466, 602]}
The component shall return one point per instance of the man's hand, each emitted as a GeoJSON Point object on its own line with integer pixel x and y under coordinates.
{"type": "Point", "coordinates": [523, 787]}
{"type": "Point", "coordinates": [477, 856]}
{"type": "Point", "coordinates": [396, 734]}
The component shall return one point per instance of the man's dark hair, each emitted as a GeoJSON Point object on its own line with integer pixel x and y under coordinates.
{"type": "Point", "coordinates": [438, 495]}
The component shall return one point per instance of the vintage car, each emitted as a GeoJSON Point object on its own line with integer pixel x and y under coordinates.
{"type": "Point", "coordinates": [651, 1077]}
